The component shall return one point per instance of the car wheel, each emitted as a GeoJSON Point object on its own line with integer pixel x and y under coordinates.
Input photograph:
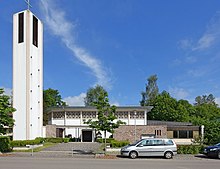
{"type": "Point", "coordinates": [133, 154]}
{"type": "Point", "coordinates": [168, 155]}
{"type": "Point", "coordinates": [218, 155]}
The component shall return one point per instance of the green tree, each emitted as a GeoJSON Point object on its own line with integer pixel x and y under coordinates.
{"type": "Point", "coordinates": [93, 94]}
{"type": "Point", "coordinates": [167, 108]}
{"type": "Point", "coordinates": [106, 116]}
{"type": "Point", "coordinates": [204, 99]}
{"type": "Point", "coordinates": [211, 127]}
{"type": "Point", "coordinates": [51, 98]}
{"type": "Point", "coordinates": [6, 111]}
{"type": "Point", "coordinates": [151, 91]}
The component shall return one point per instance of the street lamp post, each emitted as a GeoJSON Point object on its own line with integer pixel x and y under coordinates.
{"type": "Point", "coordinates": [135, 113]}
{"type": "Point", "coordinates": [64, 121]}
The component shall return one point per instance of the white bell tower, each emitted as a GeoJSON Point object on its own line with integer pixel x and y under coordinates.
{"type": "Point", "coordinates": [27, 75]}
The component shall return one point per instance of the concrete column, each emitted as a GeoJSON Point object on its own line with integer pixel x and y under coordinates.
{"type": "Point", "coordinates": [128, 117]}
{"type": "Point", "coordinates": [81, 121]}
{"type": "Point", "coordinates": [145, 117]}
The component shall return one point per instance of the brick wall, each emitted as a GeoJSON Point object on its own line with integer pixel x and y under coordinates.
{"type": "Point", "coordinates": [50, 130]}
{"type": "Point", "coordinates": [126, 132]}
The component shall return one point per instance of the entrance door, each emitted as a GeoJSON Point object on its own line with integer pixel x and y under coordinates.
{"type": "Point", "coordinates": [86, 135]}
{"type": "Point", "coordinates": [59, 132]}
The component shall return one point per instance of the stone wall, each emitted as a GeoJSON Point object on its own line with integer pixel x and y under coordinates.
{"type": "Point", "coordinates": [126, 132]}
{"type": "Point", "coordinates": [51, 130]}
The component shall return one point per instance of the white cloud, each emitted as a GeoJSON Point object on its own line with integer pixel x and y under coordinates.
{"type": "Point", "coordinates": [7, 91]}
{"type": "Point", "coordinates": [208, 39]}
{"type": "Point", "coordinates": [60, 26]}
{"type": "Point", "coordinates": [217, 100]}
{"type": "Point", "coordinates": [178, 93]}
{"type": "Point", "coordinates": [114, 103]}
{"type": "Point", "coordinates": [75, 100]}
{"type": "Point", "coordinates": [185, 43]}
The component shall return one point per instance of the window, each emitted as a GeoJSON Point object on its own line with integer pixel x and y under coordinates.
{"type": "Point", "coordinates": [168, 142]}
{"type": "Point", "coordinates": [157, 132]}
{"type": "Point", "coordinates": [183, 134]}
{"type": "Point", "coordinates": [158, 142]}
{"type": "Point", "coordinates": [20, 27]}
{"type": "Point", "coordinates": [175, 134]}
{"type": "Point", "coordinates": [190, 134]}
{"type": "Point", "coordinates": [35, 31]}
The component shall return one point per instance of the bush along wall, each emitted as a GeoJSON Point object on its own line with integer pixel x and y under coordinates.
{"type": "Point", "coordinates": [39, 140]}
{"type": "Point", "coordinates": [190, 149]}
{"type": "Point", "coordinates": [5, 144]}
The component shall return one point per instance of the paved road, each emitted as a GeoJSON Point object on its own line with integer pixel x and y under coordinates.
{"type": "Point", "coordinates": [120, 163]}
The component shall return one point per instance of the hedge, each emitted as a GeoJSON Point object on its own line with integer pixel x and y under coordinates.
{"type": "Point", "coordinates": [102, 140]}
{"type": "Point", "coordinates": [190, 149]}
{"type": "Point", "coordinates": [23, 143]}
{"type": "Point", "coordinates": [113, 143]}
{"type": "Point", "coordinates": [117, 144]}
{"type": "Point", "coordinates": [5, 144]}
{"type": "Point", "coordinates": [39, 140]}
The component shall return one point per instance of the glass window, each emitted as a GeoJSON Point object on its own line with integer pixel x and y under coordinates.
{"type": "Point", "coordinates": [158, 132]}
{"type": "Point", "coordinates": [157, 142]}
{"type": "Point", "coordinates": [168, 142]}
{"type": "Point", "coordinates": [35, 31]}
{"type": "Point", "coordinates": [175, 134]}
{"type": "Point", "coordinates": [20, 27]}
{"type": "Point", "coordinates": [190, 134]}
{"type": "Point", "coordinates": [182, 134]}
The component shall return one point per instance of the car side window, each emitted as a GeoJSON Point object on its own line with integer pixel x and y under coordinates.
{"type": "Point", "coordinates": [158, 142]}
{"type": "Point", "coordinates": [168, 142]}
{"type": "Point", "coordinates": [149, 142]}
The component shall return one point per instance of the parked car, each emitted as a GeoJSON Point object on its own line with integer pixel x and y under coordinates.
{"type": "Point", "coordinates": [150, 147]}
{"type": "Point", "coordinates": [213, 151]}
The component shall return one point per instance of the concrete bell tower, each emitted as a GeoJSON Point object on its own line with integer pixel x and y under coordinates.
{"type": "Point", "coordinates": [27, 76]}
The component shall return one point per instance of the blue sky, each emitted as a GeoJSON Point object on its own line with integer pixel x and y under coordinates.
{"type": "Point", "coordinates": [119, 44]}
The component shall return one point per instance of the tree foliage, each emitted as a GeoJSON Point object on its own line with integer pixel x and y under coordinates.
{"type": "Point", "coordinates": [51, 98]}
{"type": "Point", "coordinates": [6, 110]}
{"type": "Point", "coordinates": [93, 94]}
{"type": "Point", "coordinates": [166, 108]}
{"type": "Point", "coordinates": [151, 91]}
{"type": "Point", "coordinates": [204, 99]}
{"type": "Point", "coordinates": [106, 115]}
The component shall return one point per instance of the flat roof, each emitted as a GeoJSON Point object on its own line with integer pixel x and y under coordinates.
{"type": "Point", "coordinates": [90, 108]}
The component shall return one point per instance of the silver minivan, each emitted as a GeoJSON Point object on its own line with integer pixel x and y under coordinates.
{"type": "Point", "coordinates": [151, 147]}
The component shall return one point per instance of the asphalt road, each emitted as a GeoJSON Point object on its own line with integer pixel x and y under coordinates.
{"type": "Point", "coordinates": [120, 163]}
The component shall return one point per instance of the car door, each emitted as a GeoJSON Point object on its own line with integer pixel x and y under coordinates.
{"type": "Point", "coordinates": [145, 148]}
{"type": "Point", "coordinates": [158, 147]}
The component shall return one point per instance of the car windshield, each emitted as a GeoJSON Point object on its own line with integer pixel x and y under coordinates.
{"type": "Point", "coordinates": [136, 142]}
{"type": "Point", "coordinates": [218, 145]}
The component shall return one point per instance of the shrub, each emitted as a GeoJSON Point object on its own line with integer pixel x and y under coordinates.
{"type": "Point", "coordinates": [54, 140]}
{"type": "Point", "coordinates": [5, 144]}
{"type": "Point", "coordinates": [23, 143]}
{"type": "Point", "coordinates": [189, 149]}
{"type": "Point", "coordinates": [38, 140]}
{"type": "Point", "coordinates": [102, 140]}
{"type": "Point", "coordinates": [74, 139]}
{"type": "Point", "coordinates": [115, 143]}
{"type": "Point", "coordinates": [66, 140]}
